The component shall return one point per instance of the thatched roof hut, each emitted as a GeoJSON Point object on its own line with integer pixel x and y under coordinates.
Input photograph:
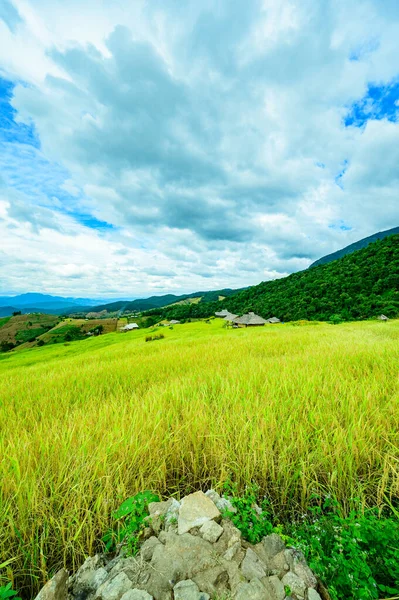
{"type": "Point", "coordinates": [383, 318]}
{"type": "Point", "coordinates": [174, 322]}
{"type": "Point", "coordinates": [230, 317]}
{"type": "Point", "coordinates": [129, 327]}
{"type": "Point", "coordinates": [222, 313]}
{"type": "Point", "coordinates": [273, 320]}
{"type": "Point", "coordinates": [249, 320]}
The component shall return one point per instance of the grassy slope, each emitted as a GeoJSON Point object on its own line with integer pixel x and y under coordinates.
{"type": "Point", "coordinates": [4, 320]}
{"type": "Point", "coordinates": [23, 327]}
{"type": "Point", "coordinates": [297, 409]}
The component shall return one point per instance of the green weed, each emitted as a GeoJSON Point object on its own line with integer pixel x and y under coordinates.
{"type": "Point", "coordinates": [6, 593]}
{"type": "Point", "coordinates": [130, 522]}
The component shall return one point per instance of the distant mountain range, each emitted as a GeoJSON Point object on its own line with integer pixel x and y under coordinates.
{"type": "Point", "coordinates": [142, 304]}
{"type": "Point", "coordinates": [34, 302]}
{"type": "Point", "coordinates": [355, 246]}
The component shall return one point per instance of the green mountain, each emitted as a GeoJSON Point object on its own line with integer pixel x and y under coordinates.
{"type": "Point", "coordinates": [153, 302]}
{"type": "Point", "coordinates": [355, 246]}
{"type": "Point", "coordinates": [360, 285]}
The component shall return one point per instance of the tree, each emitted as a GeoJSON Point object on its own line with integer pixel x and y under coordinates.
{"type": "Point", "coordinates": [6, 346]}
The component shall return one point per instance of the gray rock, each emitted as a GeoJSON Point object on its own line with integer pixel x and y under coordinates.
{"type": "Point", "coordinates": [251, 566]}
{"type": "Point", "coordinates": [147, 549]}
{"type": "Point", "coordinates": [222, 503]}
{"type": "Point", "coordinates": [172, 514]}
{"type": "Point", "coordinates": [209, 561]}
{"type": "Point", "coordinates": [194, 511]}
{"type": "Point", "coordinates": [113, 589]}
{"type": "Point", "coordinates": [277, 587]}
{"type": "Point", "coordinates": [232, 552]}
{"type": "Point", "coordinates": [130, 566]}
{"type": "Point", "coordinates": [180, 558]}
{"type": "Point", "coordinates": [211, 531]}
{"type": "Point", "coordinates": [278, 564]}
{"type": "Point", "coordinates": [302, 570]}
{"type": "Point", "coordinates": [56, 588]}
{"type": "Point", "coordinates": [159, 508]}
{"type": "Point", "coordinates": [164, 512]}
{"type": "Point", "coordinates": [273, 544]}
{"type": "Point", "coordinates": [89, 576]}
{"type": "Point", "coordinates": [217, 580]}
{"type": "Point", "coordinates": [229, 543]}
{"type": "Point", "coordinates": [136, 595]}
{"type": "Point", "coordinates": [313, 595]}
{"type": "Point", "coordinates": [296, 585]}
{"type": "Point", "coordinates": [188, 590]}
{"type": "Point", "coordinates": [254, 590]}
{"type": "Point", "coordinates": [99, 577]}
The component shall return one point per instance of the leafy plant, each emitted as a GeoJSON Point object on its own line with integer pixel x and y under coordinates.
{"type": "Point", "coordinates": [130, 522]}
{"type": "Point", "coordinates": [253, 520]}
{"type": "Point", "coordinates": [356, 556]}
{"type": "Point", "coordinates": [6, 592]}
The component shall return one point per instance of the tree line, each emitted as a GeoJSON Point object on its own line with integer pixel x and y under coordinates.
{"type": "Point", "coordinates": [358, 286]}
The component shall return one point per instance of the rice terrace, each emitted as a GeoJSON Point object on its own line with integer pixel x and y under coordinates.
{"type": "Point", "coordinates": [199, 300]}
{"type": "Point", "coordinates": [302, 410]}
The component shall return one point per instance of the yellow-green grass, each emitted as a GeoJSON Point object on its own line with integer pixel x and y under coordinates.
{"type": "Point", "coordinates": [299, 410]}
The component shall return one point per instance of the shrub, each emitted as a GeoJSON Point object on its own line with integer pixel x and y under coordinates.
{"type": "Point", "coordinates": [6, 346]}
{"type": "Point", "coordinates": [252, 520]}
{"type": "Point", "coordinates": [7, 593]}
{"type": "Point", "coordinates": [129, 522]}
{"type": "Point", "coordinates": [336, 319]}
{"type": "Point", "coordinates": [356, 556]}
{"type": "Point", "coordinates": [40, 343]}
{"type": "Point", "coordinates": [151, 338]}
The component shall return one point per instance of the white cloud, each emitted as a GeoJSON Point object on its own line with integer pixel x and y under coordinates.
{"type": "Point", "coordinates": [210, 137]}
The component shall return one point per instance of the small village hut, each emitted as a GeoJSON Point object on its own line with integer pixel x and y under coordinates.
{"type": "Point", "coordinates": [130, 327]}
{"type": "Point", "coordinates": [249, 320]}
{"type": "Point", "coordinates": [222, 313]}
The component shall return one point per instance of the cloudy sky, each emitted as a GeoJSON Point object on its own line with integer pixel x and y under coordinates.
{"type": "Point", "coordinates": [152, 146]}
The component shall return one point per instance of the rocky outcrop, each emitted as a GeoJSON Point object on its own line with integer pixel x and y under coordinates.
{"type": "Point", "coordinates": [191, 553]}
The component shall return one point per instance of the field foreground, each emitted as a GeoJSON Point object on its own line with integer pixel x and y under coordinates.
{"type": "Point", "coordinates": [299, 410]}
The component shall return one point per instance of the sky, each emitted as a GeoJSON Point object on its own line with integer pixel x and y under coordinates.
{"type": "Point", "coordinates": [156, 146]}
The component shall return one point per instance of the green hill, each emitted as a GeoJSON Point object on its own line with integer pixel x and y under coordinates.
{"type": "Point", "coordinates": [361, 285]}
{"type": "Point", "coordinates": [355, 246]}
{"type": "Point", "coordinates": [154, 302]}
{"type": "Point", "coordinates": [21, 329]}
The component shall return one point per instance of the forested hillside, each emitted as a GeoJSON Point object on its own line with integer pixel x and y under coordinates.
{"type": "Point", "coordinates": [355, 246]}
{"type": "Point", "coordinates": [155, 302]}
{"type": "Point", "coordinates": [360, 285]}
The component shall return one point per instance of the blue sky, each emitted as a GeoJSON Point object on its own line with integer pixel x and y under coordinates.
{"type": "Point", "coordinates": [152, 148]}
{"type": "Point", "coordinates": [380, 102]}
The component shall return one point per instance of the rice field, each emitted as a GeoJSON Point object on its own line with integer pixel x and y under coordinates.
{"type": "Point", "coordinates": [298, 409]}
